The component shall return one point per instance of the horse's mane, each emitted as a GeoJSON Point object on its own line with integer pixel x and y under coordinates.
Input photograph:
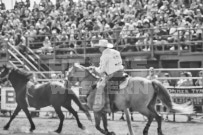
{"type": "Point", "coordinates": [93, 72]}
{"type": "Point", "coordinates": [22, 73]}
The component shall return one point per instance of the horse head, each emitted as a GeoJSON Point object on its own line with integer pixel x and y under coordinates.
{"type": "Point", "coordinates": [78, 73]}
{"type": "Point", "coordinates": [4, 73]}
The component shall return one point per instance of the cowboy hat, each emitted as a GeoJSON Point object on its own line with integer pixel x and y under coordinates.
{"type": "Point", "coordinates": [104, 43]}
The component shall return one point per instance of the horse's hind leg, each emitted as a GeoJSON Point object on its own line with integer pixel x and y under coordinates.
{"type": "Point", "coordinates": [61, 117]}
{"type": "Point", "coordinates": [157, 117]}
{"type": "Point", "coordinates": [159, 120]}
{"type": "Point", "coordinates": [71, 110]}
{"type": "Point", "coordinates": [17, 110]}
{"type": "Point", "coordinates": [146, 129]}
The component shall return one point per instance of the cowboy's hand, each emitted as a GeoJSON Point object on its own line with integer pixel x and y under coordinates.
{"type": "Point", "coordinates": [91, 67]}
{"type": "Point", "coordinates": [103, 75]}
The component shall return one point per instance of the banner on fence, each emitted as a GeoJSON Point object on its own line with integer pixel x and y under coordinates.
{"type": "Point", "coordinates": [184, 94]}
{"type": "Point", "coordinates": [8, 101]}
{"type": "Point", "coordinates": [179, 95]}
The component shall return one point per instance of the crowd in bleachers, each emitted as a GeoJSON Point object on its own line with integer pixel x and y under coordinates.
{"type": "Point", "coordinates": [123, 22]}
{"type": "Point", "coordinates": [185, 78]}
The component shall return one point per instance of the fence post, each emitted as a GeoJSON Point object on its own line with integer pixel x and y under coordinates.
{"type": "Point", "coordinates": [85, 45]}
{"type": "Point", "coordinates": [178, 42]}
{"type": "Point", "coordinates": [7, 54]}
{"type": "Point", "coordinates": [54, 49]}
{"type": "Point", "coordinates": [174, 117]}
{"type": "Point", "coordinates": [202, 41]}
{"type": "Point", "coordinates": [151, 42]}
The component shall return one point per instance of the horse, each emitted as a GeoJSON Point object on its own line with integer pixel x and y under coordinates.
{"type": "Point", "coordinates": [140, 95]}
{"type": "Point", "coordinates": [39, 96]}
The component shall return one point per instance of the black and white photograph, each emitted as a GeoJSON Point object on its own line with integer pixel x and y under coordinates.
{"type": "Point", "coordinates": [101, 67]}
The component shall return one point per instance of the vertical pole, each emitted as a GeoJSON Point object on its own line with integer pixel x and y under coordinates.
{"type": "Point", "coordinates": [202, 42]}
{"type": "Point", "coordinates": [151, 43]}
{"type": "Point", "coordinates": [178, 42]}
{"type": "Point", "coordinates": [174, 117]}
{"type": "Point", "coordinates": [54, 50]}
{"type": "Point", "coordinates": [85, 46]}
{"type": "Point", "coordinates": [189, 46]}
{"type": "Point", "coordinates": [7, 54]}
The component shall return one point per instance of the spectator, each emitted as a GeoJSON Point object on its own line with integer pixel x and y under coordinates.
{"type": "Point", "coordinates": [32, 33]}
{"type": "Point", "coordinates": [125, 33]}
{"type": "Point", "coordinates": [166, 82]}
{"type": "Point", "coordinates": [185, 81]}
{"type": "Point", "coordinates": [199, 82]}
{"type": "Point", "coordinates": [20, 43]}
{"type": "Point", "coordinates": [152, 74]}
{"type": "Point", "coordinates": [47, 48]}
{"type": "Point", "coordinates": [64, 39]}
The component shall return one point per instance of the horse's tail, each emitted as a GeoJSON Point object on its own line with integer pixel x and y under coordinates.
{"type": "Point", "coordinates": [77, 101]}
{"type": "Point", "coordinates": [164, 96]}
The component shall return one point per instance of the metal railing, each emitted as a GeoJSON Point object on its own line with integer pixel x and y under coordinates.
{"type": "Point", "coordinates": [152, 43]}
{"type": "Point", "coordinates": [175, 96]}
{"type": "Point", "coordinates": [127, 45]}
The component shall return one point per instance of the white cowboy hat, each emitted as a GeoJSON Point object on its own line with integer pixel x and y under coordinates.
{"type": "Point", "coordinates": [104, 43]}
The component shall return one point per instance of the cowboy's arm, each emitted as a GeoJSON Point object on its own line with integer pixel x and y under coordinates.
{"type": "Point", "coordinates": [102, 65]}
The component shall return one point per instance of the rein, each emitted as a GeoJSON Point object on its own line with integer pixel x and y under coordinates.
{"type": "Point", "coordinates": [84, 78]}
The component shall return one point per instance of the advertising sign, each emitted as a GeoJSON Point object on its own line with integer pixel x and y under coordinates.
{"type": "Point", "coordinates": [8, 101]}
{"type": "Point", "coordinates": [184, 94]}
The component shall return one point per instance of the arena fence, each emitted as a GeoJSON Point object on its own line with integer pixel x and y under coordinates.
{"type": "Point", "coordinates": [180, 94]}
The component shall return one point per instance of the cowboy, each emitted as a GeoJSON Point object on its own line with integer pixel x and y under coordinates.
{"type": "Point", "coordinates": [110, 68]}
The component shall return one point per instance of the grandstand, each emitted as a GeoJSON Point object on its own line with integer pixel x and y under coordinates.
{"type": "Point", "coordinates": [156, 35]}
{"type": "Point", "coordinates": [141, 33]}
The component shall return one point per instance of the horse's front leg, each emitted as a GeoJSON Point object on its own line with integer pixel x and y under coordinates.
{"type": "Point", "coordinates": [129, 121]}
{"type": "Point", "coordinates": [17, 110]}
{"type": "Point", "coordinates": [97, 116]}
{"type": "Point", "coordinates": [104, 118]}
{"type": "Point", "coordinates": [27, 113]}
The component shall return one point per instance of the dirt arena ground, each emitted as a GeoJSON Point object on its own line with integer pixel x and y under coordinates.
{"type": "Point", "coordinates": [44, 125]}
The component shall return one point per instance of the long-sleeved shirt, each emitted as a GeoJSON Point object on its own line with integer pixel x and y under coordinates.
{"type": "Point", "coordinates": [110, 62]}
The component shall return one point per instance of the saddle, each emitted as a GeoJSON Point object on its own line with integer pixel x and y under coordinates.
{"type": "Point", "coordinates": [105, 94]}
{"type": "Point", "coordinates": [118, 81]}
